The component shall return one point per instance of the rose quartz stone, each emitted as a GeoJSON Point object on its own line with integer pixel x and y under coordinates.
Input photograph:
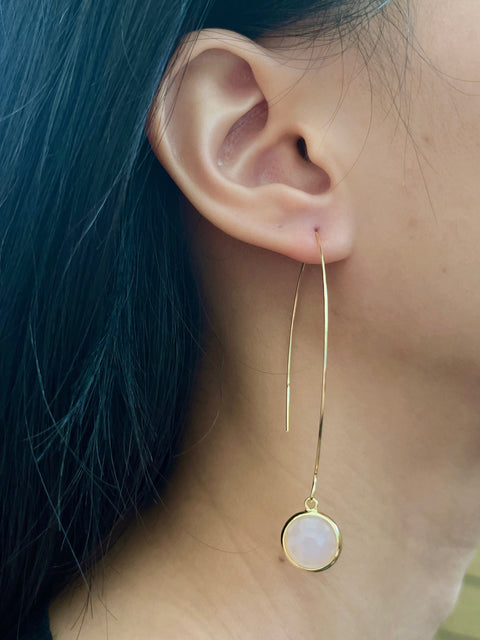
{"type": "Point", "coordinates": [310, 541]}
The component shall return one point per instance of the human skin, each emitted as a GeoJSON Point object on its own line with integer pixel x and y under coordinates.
{"type": "Point", "coordinates": [400, 464]}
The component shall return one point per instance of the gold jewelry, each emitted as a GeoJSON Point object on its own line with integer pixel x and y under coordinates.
{"type": "Point", "coordinates": [311, 540]}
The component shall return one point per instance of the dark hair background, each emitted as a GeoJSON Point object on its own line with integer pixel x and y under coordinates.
{"type": "Point", "coordinates": [100, 314]}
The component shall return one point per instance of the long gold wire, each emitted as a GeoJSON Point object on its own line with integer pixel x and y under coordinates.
{"type": "Point", "coordinates": [290, 341]}
{"type": "Point", "coordinates": [325, 354]}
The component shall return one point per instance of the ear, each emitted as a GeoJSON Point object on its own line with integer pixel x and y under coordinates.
{"type": "Point", "coordinates": [238, 130]}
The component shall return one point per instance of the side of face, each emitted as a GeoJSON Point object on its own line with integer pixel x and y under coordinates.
{"type": "Point", "coordinates": [380, 157]}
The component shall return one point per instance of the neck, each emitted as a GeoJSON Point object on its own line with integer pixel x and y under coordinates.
{"type": "Point", "coordinates": [399, 474]}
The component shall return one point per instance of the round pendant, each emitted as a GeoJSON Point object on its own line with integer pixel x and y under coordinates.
{"type": "Point", "coordinates": [311, 540]}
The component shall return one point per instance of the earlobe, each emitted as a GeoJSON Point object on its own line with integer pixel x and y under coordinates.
{"type": "Point", "coordinates": [227, 127]}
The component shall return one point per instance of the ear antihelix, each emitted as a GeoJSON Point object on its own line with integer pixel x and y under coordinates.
{"type": "Point", "coordinates": [242, 133]}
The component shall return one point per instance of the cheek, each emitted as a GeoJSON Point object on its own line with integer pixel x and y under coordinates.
{"type": "Point", "coordinates": [444, 120]}
{"type": "Point", "coordinates": [443, 91]}
{"type": "Point", "coordinates": [412, 284]}
{"type": "Point", "coordinates": [443, 151]}
{"type": "Point", "coordinates": [417, 187]}
{"type": "Point", "coordinates": [445, 73]}
{"type": "Point", "coordinates": [447, 34]}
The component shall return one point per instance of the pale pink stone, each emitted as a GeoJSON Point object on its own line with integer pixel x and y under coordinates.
{"type": "Point", "coordinates": [310, 541]}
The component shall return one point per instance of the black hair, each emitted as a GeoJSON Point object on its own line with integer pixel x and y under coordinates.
{"type": "Point", "coordinates": [100, 314]}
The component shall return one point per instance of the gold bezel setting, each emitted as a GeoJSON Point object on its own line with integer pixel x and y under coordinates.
{"type": "Point", "coordinates": [312, 513]}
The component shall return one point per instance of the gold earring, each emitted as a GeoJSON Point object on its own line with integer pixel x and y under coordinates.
{"type": "Point", "coordinates": [311, 540]}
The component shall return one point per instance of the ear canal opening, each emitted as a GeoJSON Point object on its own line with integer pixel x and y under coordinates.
{"type": "Point", "coordinates": [302, 149]}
